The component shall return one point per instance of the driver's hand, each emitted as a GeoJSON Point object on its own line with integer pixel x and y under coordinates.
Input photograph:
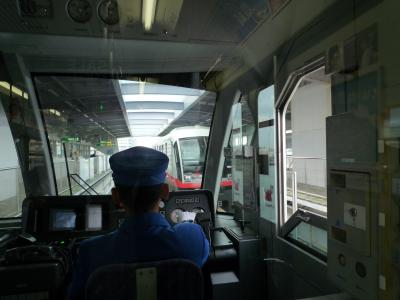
{"type": "Point", "coordinates": [186, 216]}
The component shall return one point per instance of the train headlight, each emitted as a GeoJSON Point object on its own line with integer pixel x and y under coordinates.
{"type": "Point", "coordinates": [187, 178]}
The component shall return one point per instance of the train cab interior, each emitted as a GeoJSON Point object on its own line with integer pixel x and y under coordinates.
{"type": "Point", "coordinates": [279, 119]}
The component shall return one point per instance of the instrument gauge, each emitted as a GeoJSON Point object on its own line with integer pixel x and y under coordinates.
{"type": "Point", "coordinates": [108, 12]}
{"type": "Point", "coordinates": [79, 10]}
{"type": "Point", "coordinates": [176, 215]}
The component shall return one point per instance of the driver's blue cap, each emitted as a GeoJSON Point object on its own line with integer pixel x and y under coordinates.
{"type": "Point", "coordinates": [139, 166]}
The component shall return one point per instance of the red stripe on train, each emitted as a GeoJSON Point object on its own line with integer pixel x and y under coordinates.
{"type": "Point", "coordinates": [192, 185]}
{"type": "Point", "coordinates": [226, 183]}
{"type": "Point", "coordinates": [182, 185]}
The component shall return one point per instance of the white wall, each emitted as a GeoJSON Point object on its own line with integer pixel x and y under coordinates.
{"type": "Point", "coordinates": [310, 107]}
{"type": "Point", "coordinates": [12, 190]}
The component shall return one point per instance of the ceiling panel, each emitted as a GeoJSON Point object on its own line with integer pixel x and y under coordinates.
{"type": "Point", "coordinates": [86, 107]}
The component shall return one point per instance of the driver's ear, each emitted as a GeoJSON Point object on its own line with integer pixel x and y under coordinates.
{"type": "Point", "coordinates": [116, 198]}
{"type": "Point", "coordinates": [164, 191]}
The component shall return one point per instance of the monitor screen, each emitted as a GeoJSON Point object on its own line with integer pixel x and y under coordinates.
{"type": "Point", "coordinates": [94, 214]}
{"type": "Point", "coordinates": [63, 219]}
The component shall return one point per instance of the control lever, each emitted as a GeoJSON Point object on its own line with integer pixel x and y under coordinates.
{"type": "Point", "coordinates": [13, 239]}
{"type": "Point", "coordinates": [37, 254]}
{"type": "Point", "coordinates": [30, 253]}
{"type": "Point", "coordinates": [277, 260]}
{"type": "Point", "coordinates": [243, 223]}
{"type": "Point", "coordinates": [204, 220]}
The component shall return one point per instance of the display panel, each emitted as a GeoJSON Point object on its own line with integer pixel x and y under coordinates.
{"type": "Point", "coordinates": [94, 218]}
{"type": "Point", "coordinates": [62, 219]}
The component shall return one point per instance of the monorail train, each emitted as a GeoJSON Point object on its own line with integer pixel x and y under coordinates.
{"type": "Point", "coordinates": [186, 149]}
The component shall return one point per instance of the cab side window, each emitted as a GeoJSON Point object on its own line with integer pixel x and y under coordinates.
{"type": "Point", "coordinates": [12, 190]}
{"type": "Point", "coordinates": [178, 161]}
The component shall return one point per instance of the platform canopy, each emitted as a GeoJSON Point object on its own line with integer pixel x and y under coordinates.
{"type": "Point", "coordinates": [155, 109]}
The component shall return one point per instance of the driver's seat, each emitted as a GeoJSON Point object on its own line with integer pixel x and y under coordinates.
{"type": "Point", "coordinates": [177, 279]}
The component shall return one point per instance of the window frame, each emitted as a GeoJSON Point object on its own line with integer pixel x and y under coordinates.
{"type": "Point", "coordinates": [302, 216]}
{"type": "Point", "coordinates": [234, 97]}
{"type": "Point", "coordinates": [285, 227]}
{"type": "Point", "coordinates": [178, 161]}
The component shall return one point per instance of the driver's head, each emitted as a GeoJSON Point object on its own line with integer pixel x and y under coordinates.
{"type": "Point", "coordinates": [139, 177]}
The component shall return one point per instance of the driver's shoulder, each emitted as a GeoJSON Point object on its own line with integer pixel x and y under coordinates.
{"type": "Point", "coordinates": [97, 242]}
{"type": "Point", "coordinates": [187, 228]}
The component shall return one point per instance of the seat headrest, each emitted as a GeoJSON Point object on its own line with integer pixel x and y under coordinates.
{"type": "Point", "coordinates": [173, 279]}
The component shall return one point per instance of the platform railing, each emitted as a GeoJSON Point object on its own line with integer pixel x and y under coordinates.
{"type": "Point", "coordinates": [304, 187]}
{"type": "Point", "coordinates": [80, 181]}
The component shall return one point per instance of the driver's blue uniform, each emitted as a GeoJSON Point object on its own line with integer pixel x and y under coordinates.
{"type": "Point", "coordinates": [146, 237]}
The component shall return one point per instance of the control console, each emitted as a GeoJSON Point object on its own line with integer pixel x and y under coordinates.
{"type": "Point", "coordinates": [53, 227]}
{"type": "Point", "coordinates": [54, 218]}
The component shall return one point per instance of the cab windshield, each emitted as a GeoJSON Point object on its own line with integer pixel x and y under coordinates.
{"type": "Point", "coordinates": [193, 156]}
{"type": "Point", "coordinates": [88, 119]}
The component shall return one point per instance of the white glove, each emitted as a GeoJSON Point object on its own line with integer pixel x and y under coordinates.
{"type": "Point", "coordinates": [186, 216]}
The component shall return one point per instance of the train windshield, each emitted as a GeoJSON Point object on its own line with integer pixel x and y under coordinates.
{"type": "Point", "coordinates": [89, 118]}
{"type": "Point", "coordinates": [193, 156]}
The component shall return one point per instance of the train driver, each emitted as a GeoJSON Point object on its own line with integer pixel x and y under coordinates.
{"type": "Point", "coordinates": [145, 235]}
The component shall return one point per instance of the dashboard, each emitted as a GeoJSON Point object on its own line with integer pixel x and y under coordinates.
{"type": "Point", "coordinates": [54, 226]}
{"type": "Point", "coordinates": [51, 218]}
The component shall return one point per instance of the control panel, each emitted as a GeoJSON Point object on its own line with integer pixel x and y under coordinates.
{"type": "Point", "coordinates": [352, 205]}
{"type": "Point", "coordinates": [350, 259]}
{"type": "Point", "coordinates": [350, 210]}
{"type": "Point", "coordinates": [54, 226]}
{"type": "Point", "coordinates": [53, 218]}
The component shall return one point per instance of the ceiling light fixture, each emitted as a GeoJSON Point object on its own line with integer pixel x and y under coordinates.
{"type": "Point", "coordinates": [148, 13]}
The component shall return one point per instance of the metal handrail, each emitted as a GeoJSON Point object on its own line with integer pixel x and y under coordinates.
{"type": "Point", "coordinates": [107, 173]}
{"type": "Point", "coordinates": [93, 184]}
{"type": "Point", "coordinates": [294, 188]}
{"type": "Point", "coordinates": [90, 187]}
